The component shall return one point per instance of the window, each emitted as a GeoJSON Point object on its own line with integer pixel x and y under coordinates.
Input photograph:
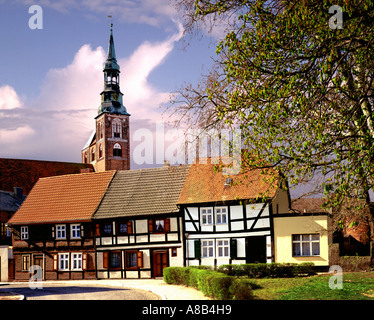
{"type": "Point", "coordinates": [305, 245]}
{"type": "Point", "coordinates": [93, 154]}
{"type": "Point", "coordinates": [134, 259]}
{"type": "Point", "coordinates": [131, 259]}
{"type": "Point", "coordinates": [63, 261]}
{"type": "Point", "coordinates": [206, 216]}
{"type": "Point", "coordinates": [124, 227]}
{"type": "Point", "coordinates": [115, 260]}
{"type": "Point", "coordinates": [26, 262]}
{"type": "Point", "coordinates": [76, 261]}
{"type": "Point", "coordinates": [101, 151]}
{"type": "Point", "coordinates": [221, 215]}
{"type": "Point", "coordinates": [116, 129]}
{"type": "Point", "coordinates": [117, 151]}
{"type": "Point", "coordinates": [75, 231]}
{"type": "Point", "coordinates": [61, 231]}
{"type": "Point", "coordinates": [4, 230]}
{"type": "Point", "coordinates": [174, 252]}
{"type": "Point", "coordinates": [223, 248]}
{"type": "Point", "coordinates": [160, 225]}
{"type": "Point", "coordinates": [107, 229]}
{"type": "Point", "coordinates": [24, 233]}
{"type": "Point", "coordinates": [207, 247]}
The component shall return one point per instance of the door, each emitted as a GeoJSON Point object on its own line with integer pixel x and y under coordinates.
{"type": "Point", "coordinates": [39, 261]}
{"type": "Point", "coordinates": [160, 261]}
{"type": "Point", "coordinates": [11, 269]}
{"type": "Point", "coordinates": [256, 249]}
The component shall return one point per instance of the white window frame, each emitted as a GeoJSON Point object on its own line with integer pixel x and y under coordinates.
{"type": "Point", "coordinates": [61, 231]}
{"type": "Point", "coordinates": [75, 231]}
{"type": "Point", "coordinates": [223, 244]}
{"type": "Point", "coordinates": [205, 216]}
{"type": "Point", "coordinates": [63, 261]}
{"type": "Point", "coordinates": [305, 243]}
{"type": "Point", "coordinates": [24, 233]}
{"type": "Point", "coordinates": [207, 248]}
{"type": "Point", "coordinates": [219, 214]}
{"type": "Point", "coordinates": [76, 261]}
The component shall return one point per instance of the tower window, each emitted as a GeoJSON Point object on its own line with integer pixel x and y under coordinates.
{"type": "Point", "coordinates": [116, 129]}
{"type": "Point", "coordinates": [117, 150]}
{"type": "Point", "coordinates": [101, 151]}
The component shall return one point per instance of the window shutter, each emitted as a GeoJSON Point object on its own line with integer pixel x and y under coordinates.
{"type": "Point", "coordinates": [97, 230]}
{"type": "Point", "coordinates": [84, 261]}
{"type": "Point", "coordinates": [129, 227]}
{"type": "Point", "coordinates": [105, 259]}
{"type": "Point", "coordinates": [53, 232]}
{"type": "Point", "coordinates": [82, 231]}
{"type": "Point", "coordinates": [233, 249]}
{"type": "Point", "coordinates": [55, 262]}
{"type": "Point", "coordinates": [140, 259]}
{"type": "Point", "coordinates": [197, 249]}
{"type": "Point", "coordinates": [167, 225]}
{"type": "Point", "coordinates": [150, 225]}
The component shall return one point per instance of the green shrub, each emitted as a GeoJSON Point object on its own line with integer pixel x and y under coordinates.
{"type": "Point", "coordinates": [241, 289]}
{"type": "Point", "coordinates": [305, 268]}
{"type": "Point", "coordinates": [262, 270]}
{"type": "Point", "coordinates": [175, 275]}
{"type": "Point", "coordinates": [212, 283]}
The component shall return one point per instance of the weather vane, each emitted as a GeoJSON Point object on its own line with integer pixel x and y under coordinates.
{"type": "Point", "coordinates": [111, 21]}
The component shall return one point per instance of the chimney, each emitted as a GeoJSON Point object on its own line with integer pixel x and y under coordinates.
{"type": "Point", "coordinates": [18, 192]}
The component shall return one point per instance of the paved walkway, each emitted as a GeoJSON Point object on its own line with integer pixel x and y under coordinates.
{"type": "Point", "coordinates": [157, 286]}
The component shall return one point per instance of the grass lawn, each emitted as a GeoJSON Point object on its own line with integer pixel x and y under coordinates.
{"type": "Point", "coordinates": [356, 286]}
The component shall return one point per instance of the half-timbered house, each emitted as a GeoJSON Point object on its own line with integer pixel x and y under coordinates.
{"type": "Point", "coordinates": [53, 227]}
{"type": "Point", "coordinates": [138, 225]}
{"type": "Point", "coordinates": [225, 218]}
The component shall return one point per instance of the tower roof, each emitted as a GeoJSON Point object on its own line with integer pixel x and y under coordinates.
{"type": "Point", "coordinates": [111, 61]}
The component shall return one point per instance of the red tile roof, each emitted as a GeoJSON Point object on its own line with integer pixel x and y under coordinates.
{"type": "Point", "coordinates": [205, 184]}
{"type": "Point", "coordinates": [25, 173]}
{"type": "Point", "coordinates": [63, 198]}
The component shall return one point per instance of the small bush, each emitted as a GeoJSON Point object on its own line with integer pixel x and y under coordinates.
{"type": "Point", "coordinates": [263, 270]}
{"type": "Point", "coordinates": [212, 283]}
{"type": "Point", "coordinates": [241, 289]}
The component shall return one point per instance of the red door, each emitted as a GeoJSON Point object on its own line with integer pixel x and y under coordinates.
{"type": "Point", "coordinates": [11, 270]}
{"type": "Point", "coordinates": [160, 261]}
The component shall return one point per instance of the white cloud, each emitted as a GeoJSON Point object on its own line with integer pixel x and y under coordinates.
{"type": "Point", "coordinates": [139, 94]}
{"type": "Point", "coordinates": [9, 98]}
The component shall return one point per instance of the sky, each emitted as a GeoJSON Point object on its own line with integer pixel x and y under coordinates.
{"type": "Point", "coordinates": [51, 76]}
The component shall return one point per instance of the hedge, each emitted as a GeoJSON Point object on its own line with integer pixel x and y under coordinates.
{"type": "Point", "coordinates": [213, 284]}
{"type": "Point", "coordinates": [272, 270]}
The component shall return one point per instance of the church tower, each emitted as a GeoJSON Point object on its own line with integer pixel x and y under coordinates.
{"type": "Point", "coordinates": [109, 146]}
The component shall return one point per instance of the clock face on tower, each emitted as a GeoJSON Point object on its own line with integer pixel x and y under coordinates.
{"type": "Point", "coordinates": [115, 96]}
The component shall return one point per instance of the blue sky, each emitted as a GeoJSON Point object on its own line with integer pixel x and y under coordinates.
{"type": "Point", "coordinates": [50, 79]}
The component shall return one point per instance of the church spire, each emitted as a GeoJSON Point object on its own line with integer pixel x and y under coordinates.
{"type": "Point", "coordinates": [111, 50]}
{"type": "Point", "coordinates": [111, 96]}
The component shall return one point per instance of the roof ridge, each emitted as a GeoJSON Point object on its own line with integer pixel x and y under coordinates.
{"type": "Point", "coordinates": [76, 174]}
